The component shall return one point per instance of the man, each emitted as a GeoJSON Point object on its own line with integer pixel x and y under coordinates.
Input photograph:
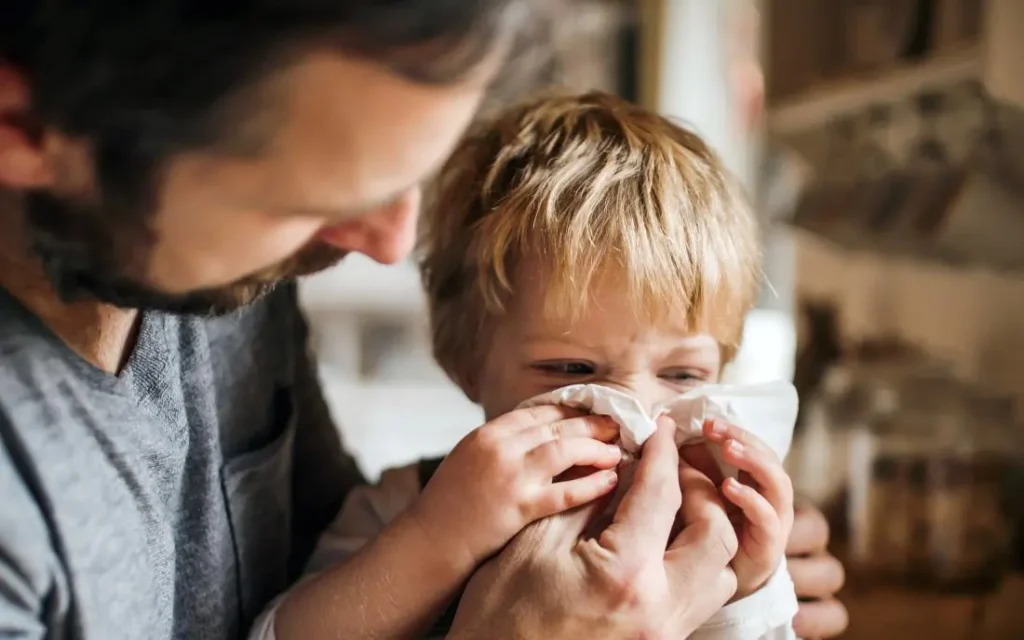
{"type": "Point", "coordinates": [164, 472]}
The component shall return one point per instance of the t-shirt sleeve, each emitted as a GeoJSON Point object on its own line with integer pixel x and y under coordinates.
{"type": "Point", "coordinates": [324, 473]}
{"type": "Point", "coordinates": [29, 600]}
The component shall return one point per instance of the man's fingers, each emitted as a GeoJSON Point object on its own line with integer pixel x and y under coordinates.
{"type": "Point", "coordinates": [706, 523]}
{"type": "Point", "coordinates": [557, 456]}
{"type": "Point", "coordinates": [702, 501]}
{"type": "Point", "coordinates": [816, 577]}
{"type": "Point", "coordinates": [701, 553]}
{"type": "Point", "coordinates": [699, 457]}
{"type": "Point", "coordinates": [824, 619]}
{"type": "Point", "coordinates": [809, 534]}
{"type": "Point", "coordinates": [644, 518]}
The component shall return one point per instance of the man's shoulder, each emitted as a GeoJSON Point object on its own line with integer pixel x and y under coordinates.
{"type": "Point", "coordinates": [33, 362]}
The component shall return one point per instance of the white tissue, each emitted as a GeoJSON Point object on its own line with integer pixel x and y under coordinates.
{"type": "Point", "coordinates": [766, 410]}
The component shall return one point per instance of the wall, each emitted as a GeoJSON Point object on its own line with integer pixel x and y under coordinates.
{"type": "Point", "coordinates": [972, 317]}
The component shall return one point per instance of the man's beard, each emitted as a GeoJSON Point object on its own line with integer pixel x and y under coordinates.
{"type": "Point", "coordinates": [88, 254]}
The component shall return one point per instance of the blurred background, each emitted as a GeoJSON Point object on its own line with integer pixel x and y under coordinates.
{"type": "Point", "coordinates": [883, 143]}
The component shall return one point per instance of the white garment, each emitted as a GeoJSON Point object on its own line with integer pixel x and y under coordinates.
{"type": "Point", "coordinates": [764, 615]}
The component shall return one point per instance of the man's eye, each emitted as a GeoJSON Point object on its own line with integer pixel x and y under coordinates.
{"type": "Point", "coordinates": [566, 368]}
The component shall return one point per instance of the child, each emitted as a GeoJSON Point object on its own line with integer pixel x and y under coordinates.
{"type": "Point", "coordinates": [572, 240]}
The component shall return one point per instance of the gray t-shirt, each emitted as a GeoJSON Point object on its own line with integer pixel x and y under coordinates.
{"type": "Point", "coordinates": [174, 500]}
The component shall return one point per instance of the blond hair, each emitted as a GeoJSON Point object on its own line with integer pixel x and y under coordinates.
{"type": "Point", "coordinates": [585, 184]}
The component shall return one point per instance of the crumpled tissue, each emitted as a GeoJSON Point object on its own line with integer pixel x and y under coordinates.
{"type": "Point", "coordinates": [767, 410]}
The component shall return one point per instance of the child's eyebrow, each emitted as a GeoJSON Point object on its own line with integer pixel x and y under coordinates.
{"type": "Point", "coordinates": [696, 346]}
{"type": "Point", "coordinates": [565, 339]}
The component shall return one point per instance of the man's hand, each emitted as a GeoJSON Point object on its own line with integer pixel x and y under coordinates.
{"type": "Point", "coordinates": [817, 577]}
{"type": "Point", "coordinates": [631, 581]}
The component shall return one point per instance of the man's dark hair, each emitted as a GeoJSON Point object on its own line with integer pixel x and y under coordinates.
{"type": "Point", "coordinates": [144, 80]}
{"type": "Point", "coordinates": [157, 70]}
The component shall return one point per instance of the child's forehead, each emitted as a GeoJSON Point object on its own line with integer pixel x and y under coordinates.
{"type": "Point", "coordinates": [608, 302]}
{"type": "Point", "coordinates": [602, 310]}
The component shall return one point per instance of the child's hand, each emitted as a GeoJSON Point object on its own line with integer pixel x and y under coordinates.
{"type": "Point", "coordinates": [502, 476]}
{"type": "Point", "coordinates": [763, 495]}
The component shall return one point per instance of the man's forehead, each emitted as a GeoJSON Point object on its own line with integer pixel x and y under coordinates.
{"type": "Point", "coordinates": [353, 136]}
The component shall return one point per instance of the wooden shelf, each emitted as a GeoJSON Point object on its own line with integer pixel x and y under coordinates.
{"type": "Point", "coordinates": [819, 105]}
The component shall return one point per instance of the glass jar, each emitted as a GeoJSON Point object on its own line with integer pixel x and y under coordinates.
{"type": "Point", "coordinates": [928, 488]}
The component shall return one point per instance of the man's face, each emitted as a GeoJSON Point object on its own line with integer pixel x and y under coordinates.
{"type": "Point", "coordinates": [351, 144]}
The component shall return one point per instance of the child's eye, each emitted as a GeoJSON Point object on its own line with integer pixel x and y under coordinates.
{"type": "Point", "coordinates": [566, 368]}
{"type": "Point", "coordinates": [684, 375]}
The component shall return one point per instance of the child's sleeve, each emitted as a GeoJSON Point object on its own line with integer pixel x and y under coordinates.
{"type": "Point", "coordinates": [766, 614]}
{"type": "Point", "coordinates": [365, 513]}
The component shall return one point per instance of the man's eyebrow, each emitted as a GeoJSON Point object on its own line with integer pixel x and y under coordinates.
{"type": "Point", "coordinates": [344, 213]}
{"type": "Point", "coordinates": [349, 212]}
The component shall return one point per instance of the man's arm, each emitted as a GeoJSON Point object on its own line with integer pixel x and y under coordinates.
{"type": "Point", "coordinates": [324, 473]}
{"type": "Point", "coordinates": [31, 605]}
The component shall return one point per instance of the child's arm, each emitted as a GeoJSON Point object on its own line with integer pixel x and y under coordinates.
{"type": "Point", "coordinates": [496, 481]}
{"type": "Point", "coordinates": [392, 588]}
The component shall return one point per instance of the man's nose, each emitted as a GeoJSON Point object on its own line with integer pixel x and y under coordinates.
{"type": "Point", "coordinates": [386, 236]}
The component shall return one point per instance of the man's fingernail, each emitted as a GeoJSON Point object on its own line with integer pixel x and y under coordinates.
{"type": "Point", "coordinates": [610, 477]}
{"type": "Point", "coordinates": [717, 427]}
{"type": "Point", "coordinates": [735, 447]}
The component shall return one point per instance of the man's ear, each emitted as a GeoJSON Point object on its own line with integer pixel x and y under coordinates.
{"type": "Point", "coordinates": [471, 387]}
{"type": "Point", "coordinates": [23, 163]}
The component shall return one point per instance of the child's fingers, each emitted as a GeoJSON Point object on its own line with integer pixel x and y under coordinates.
{"type": "Point", "coordinates": [554, 457]}
{"type": "Point", "coordinates": [569, 494]}
{"type": "Point", "coordinates": [762, 524]}
{"type": "Point", "coordinates": [764, 468]}
{"type": "Point", "coordinates": [719, 431]}
{"type": "Point", "coordinates": [588, 426]}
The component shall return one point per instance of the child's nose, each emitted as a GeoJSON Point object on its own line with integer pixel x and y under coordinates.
{"type": "Point", "coordinates": [647, 390]}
